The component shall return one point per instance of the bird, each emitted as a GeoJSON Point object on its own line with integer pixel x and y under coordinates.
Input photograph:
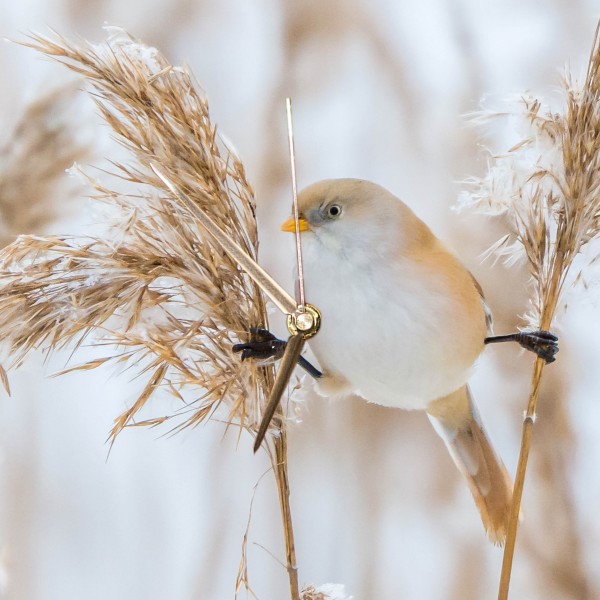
{"type": "Point", "coordinates": [403, 323]}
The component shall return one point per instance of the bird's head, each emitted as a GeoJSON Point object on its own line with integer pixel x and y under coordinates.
{"type": "Point", "coordinates": [355, 218]}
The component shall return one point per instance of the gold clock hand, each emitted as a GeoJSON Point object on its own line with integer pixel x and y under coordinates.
{"type": "Point", "coordinates": [269, 286]}
{"type": "Point", "coordinates": [305, 322]}
{"type": "Point", "coordinates": [307, 319]}
{"type": "Point", "coordinates": [303, 319]}
{"type": "Point", "coordinates": [301, 293]}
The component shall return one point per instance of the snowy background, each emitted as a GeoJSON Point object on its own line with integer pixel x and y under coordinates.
{"type": "Point", "coordinates": [380, 91]}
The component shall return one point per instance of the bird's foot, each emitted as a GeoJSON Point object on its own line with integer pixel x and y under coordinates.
{"type": "Point", "coordinates": [543, 343]}
{"type": "Point", "coordinates": [263, 345]}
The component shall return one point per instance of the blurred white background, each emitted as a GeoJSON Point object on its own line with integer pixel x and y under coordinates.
{"type": "Point", "coordinates": [380, 89]}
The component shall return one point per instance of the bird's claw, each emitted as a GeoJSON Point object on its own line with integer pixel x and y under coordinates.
{"type": "Point", "coordinates": [543, 343]}
{"type": "Point", "coordinates": [263, 345]}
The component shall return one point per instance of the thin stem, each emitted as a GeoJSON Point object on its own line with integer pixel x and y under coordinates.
{"type": "Point", "coordinates": [515, 509]}
{"type": "Point", "coordinates": [280, 467]}
{"type": "Point", "coordinates": [559, 268]}
{"type": "Point", "coordinates": [279, 462]}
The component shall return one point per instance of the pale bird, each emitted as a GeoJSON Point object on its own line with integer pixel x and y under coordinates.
{"type": "Point", "coordinates": [403, 322]}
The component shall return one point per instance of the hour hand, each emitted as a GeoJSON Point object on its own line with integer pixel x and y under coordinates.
{"type": "Point", "coordinates": [291, 355]}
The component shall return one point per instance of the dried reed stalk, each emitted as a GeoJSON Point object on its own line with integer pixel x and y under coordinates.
{"type": "Point", "coordinates": [548, 184]}
{"type": "Point", "coordinates": [162, 299]}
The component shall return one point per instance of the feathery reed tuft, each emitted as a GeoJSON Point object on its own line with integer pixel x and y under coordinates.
{"type": "Point", "coordinates": [327, 591]}
{"type": "Point", "coordinates": [33, 160]}
{"type": "Point", "coordinates": [548, 186]}
{"type": "Point", "coordinates": [154, 292]}
{"type": "Point", "coordinates": [160, 297]}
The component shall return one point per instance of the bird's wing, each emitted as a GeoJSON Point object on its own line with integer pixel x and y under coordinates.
{"type": "Point", "coordinates": [489, 320]}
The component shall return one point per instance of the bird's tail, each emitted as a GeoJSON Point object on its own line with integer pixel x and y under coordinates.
{"type": "Point", "coordinates": [456, 420]}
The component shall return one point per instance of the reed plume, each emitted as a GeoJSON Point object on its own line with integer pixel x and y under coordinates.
{"type": "Point", "coordinates": [153, 287]}
{"type": "Point", "coordinates": [153, 292]}
{"type": "Point", "coordinates": [327, 591]}
{"type": "Point", "coordinates": [547, 185]}
{"type": "Point", "coordinates": [44, 142]}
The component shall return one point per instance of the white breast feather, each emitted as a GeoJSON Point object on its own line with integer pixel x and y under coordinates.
{"type": "Point", "coordinates": [390, 332]}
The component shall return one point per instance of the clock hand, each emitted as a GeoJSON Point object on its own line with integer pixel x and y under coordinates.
{"type": "Point", "coordinates": [307, 318]}
{"type": "Point", "coordinates": [293, 349]}
{"type": "Point", "coordinates": [301, 294]}
{"type": "Point", "coordinates": [303, 319]}
{"type": "Point", "coordinates": [269, 286]}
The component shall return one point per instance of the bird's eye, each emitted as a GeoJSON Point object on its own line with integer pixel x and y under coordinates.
{"type": "Point", "coordinates": [335, 210]}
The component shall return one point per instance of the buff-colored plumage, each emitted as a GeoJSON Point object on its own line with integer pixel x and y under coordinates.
{"type": "Point", "coordinates": [403, 322]}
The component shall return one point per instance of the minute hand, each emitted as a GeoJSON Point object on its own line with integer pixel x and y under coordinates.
{"type": "Point", "coordinates": [267, 284]}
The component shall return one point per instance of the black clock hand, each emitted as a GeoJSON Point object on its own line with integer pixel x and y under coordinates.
{"type": "Point", "coordinates": [293, 349]}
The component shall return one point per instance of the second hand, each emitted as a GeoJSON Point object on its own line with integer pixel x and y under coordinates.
{"type": "Point", "coordinates": [301, 293]}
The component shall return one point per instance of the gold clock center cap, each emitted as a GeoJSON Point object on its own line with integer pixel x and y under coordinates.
{"type": "Point", "coordinates": [306, 320]}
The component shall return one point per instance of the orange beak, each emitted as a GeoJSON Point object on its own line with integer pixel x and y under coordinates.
{"type": "Point", "coordinates": [290, 225]}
